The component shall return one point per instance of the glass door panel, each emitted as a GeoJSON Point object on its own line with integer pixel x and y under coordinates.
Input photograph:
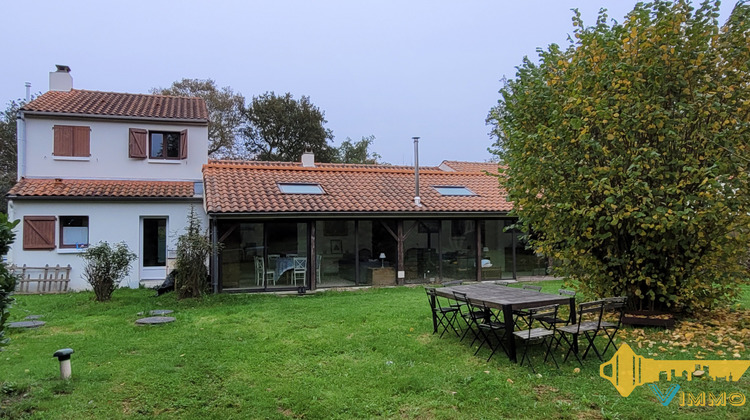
{"type": "Point", "coordinates": [286, 245]}
{"type": "Point", "coordinates": [153, 248]}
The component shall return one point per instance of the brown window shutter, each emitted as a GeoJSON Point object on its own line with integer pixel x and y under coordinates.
{"type": "Point", "coordinates": [137, 143]}
{"type": "Point", "coordinates": [183, 144]}
{"type": "Point", "coordinates": [63, 140]}
{"type": "Point", "coordinates": [39, 232]}
{"type": "Point", "coordinates": [81, 141]}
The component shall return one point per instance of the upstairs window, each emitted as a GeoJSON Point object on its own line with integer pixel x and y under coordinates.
{"type": "Point", "coordinates": [452, 190]}
{"type": "Point", "coordinates": [73, 141]}
{"type": "Point", "coordinates": [166, 144]}
{"type": "Point", "coordinates": [74, 232]}
{"type": "Point", "coordinates": [301, 188]}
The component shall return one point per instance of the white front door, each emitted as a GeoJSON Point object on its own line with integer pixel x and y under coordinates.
{"type": "Point", "coordinates": [153, 248]}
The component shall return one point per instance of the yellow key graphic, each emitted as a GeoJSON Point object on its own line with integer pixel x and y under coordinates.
{"type": "Point", "coordinates": [630, 370]}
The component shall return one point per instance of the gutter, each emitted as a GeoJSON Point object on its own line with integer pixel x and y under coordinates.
{"type": "Point", "coordinates": [115, 117]}
{"type": "Point", "coordinates": [100, 198]}
{"type": "Point", "coordinates": [361, 215]}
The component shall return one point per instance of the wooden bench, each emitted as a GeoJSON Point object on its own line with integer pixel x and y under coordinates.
{"type": "Point", "coordinates": [46, 279]}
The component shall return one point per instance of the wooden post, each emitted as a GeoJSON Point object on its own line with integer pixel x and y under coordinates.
{"type": "Point", "coordinates": [400, 251]}
{"type": "Point", "coordinates": [313, 256]}
{"type": "Point", "coordinates": [356, 253]}
{"type": "Point", "coordinates": [478, 253]}
{"type": "Point", "coordinates": [440, 250]}
{"type": "Point", "coordinates": [214, 266]}
{"type": "Point", "coordinates": [43, 283]}
{"type": "Point", "coordinates": [513, 244]}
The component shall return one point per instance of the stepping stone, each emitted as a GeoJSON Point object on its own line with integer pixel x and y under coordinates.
{"type": "Point", "coordinates": [26, 324]}
{"type": "Point", "coordinates": [155, 320]}
{"type": "Point", "coordinates": [160, 312]}
{"type": "Point", "coordinates": [34, 317]}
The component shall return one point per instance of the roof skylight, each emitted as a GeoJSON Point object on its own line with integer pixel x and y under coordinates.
{"type": "Point", "coordinates": [294, 188]}
{"type": "Point", "coordinates": [453, 190]}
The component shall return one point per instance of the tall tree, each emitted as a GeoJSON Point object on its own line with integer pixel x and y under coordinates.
{"type": "Point", "coordinates": [627, 153]}
{"type": "Point", "coordinates": [8, 150]}
{"type": "Point", "coordinates": [357, 152]}
{"type": "Point", "coordinates": [281, 128]}
{"type": "Point", "coordinates": [224, 109]}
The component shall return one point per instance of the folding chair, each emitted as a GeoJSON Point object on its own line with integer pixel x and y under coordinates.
{"type": "Point", "coordinates": [488, 325]}
{"type": "Point", "coordinates": [588, 326]}
{"type": "Point", "coordinates": [444, 315]}
{"type": "Point", "coordinates": [547, 321]}
{"type": "Point", "coordinates": [616, 306]}
{"type": "Point", "coordinates": [530, 287]}
{"type": "Point", "coordinates": [566, 292]}
{"type": "Point", "coordinates": [529, 334]}
{"type": "Point", "coordinates": [469, 316]}
{"type": "Point", "coordinates": [502, 283]}
{"type": "Point", "coordinates": [453, 283]}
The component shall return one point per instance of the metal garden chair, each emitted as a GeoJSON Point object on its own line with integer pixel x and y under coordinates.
{"type": "Point", "coordinates": [445, 316]}
{"type": "Point", "coordinates": [588, 326]}
{"type": "Point", "coordinates": [490, 327]}
{"type": "Point", "coordinates": [530, 334]}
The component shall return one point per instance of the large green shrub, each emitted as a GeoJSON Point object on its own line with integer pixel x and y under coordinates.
{"type": "Point", "coordinates": [7, 280]}
{"type": "Point", "coordinates": [626, 155]}
{"type": "Point", "coordinates": [193, 249]}
{"type": "Point", "coordinates": [105, 267]}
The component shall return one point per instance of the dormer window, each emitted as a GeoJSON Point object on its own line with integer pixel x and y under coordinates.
{"type": "Point", "coordinates": [453, 190]}
{"type": "Point", "coordinates": [291, 188]}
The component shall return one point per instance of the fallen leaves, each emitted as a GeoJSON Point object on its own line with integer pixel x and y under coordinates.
{"type": "Point", "coordinates": [714, 334]}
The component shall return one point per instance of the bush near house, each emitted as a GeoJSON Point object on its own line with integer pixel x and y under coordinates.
{"type": "Point", "coordinates": [7, 280]}
{"type": "Point", "coordinates": [626, 154]}
{"type": "Point", "coordinates": [106, 267]}
{"type": "Point", "coordinates": [193, 250]}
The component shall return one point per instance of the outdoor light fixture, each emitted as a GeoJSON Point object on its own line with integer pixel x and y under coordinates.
{"type": "Point", "coordinates": [382, 259]}
{"type": "Point", "coordinates": [63, 355]}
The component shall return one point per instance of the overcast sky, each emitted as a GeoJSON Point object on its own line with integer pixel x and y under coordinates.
{"type": "Point", "coordinates": [393, 69]}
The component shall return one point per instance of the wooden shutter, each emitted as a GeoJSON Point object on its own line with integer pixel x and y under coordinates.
{"type": "Point", "coordinates": [39, 232]}
{"type": "Point", "coordinates": [183, 144]}
{"type": "Point", "coordinates": [63, 140]}
{"type": "Point", "coordinates": [81, 141]}
{"type": "Point", "coordinates": [137, 143]}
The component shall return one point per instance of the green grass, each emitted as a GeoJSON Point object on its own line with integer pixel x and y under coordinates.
{"type": "Point", "coordinates": [355, 354]}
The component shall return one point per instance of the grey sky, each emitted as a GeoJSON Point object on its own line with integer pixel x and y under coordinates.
{"type": "Point", "coordinates": [394, 69]}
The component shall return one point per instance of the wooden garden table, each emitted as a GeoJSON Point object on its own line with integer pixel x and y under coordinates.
{"type": "Point", "coordinates": [508, 299]}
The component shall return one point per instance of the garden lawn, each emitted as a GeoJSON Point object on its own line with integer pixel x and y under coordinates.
{"type": "Point", "coordinates": [352, 354]}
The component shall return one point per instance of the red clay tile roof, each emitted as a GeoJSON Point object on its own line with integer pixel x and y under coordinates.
{"type": "Point", "coordinates": [107, 104]}
{"type": "Point", "coordinates": [453, 165]}
{"type": "Point", "coordinates": [100, 188]}
{"type": "Point", "coordinates": [251, 187]}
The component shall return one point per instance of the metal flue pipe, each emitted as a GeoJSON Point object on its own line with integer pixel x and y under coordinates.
{"type": "Point", "coordinates": [417, 200]}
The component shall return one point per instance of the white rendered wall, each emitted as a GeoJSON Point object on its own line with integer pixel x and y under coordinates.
{"type": "Point", "coordinates": [112, 221]}
{"type": "Point", "coordinates": [109, 152]}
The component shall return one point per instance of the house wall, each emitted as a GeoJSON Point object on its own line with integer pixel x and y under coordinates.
{"type": "Point", "coordinates": [111, 221]}
{"type": "Point", "coordinates": [109, 152]}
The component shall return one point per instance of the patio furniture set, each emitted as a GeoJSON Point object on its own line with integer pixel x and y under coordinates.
{"type": "Point", "coordinates": [499, 316]}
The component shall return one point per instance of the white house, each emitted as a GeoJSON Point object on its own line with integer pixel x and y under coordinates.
{"type": "Point", "coordinates": [102, 166]}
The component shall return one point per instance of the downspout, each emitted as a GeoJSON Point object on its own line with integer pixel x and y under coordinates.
{"type": "Point", "coordinates": [21, 144]}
